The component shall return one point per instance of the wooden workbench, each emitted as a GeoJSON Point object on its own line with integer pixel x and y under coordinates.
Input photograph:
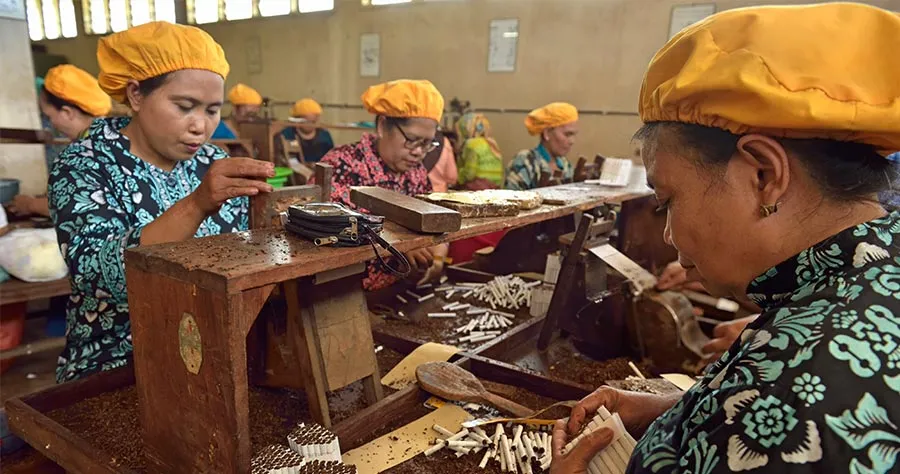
{"type": "Point", "coordinates": [194, 302]}
{"type": "Point", "coordinates": [17, 291]}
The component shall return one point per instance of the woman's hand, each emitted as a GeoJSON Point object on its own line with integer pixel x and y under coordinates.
{"type": "Point", "coordinates": [420, 258]}
{"type": "Point", "coordinates": [636, 409]}
{"type": "Point", "coordinates": [724, 335]}
{"type": "Point", "coordinates": [576, 461]}
{"type": "Point", "coordinates": [23, 205]}
{"type": "Point", "coordinates": [231, 178]}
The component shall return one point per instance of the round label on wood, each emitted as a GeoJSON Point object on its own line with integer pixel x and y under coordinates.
{"type": "Point", "coordinates": [189, 343]}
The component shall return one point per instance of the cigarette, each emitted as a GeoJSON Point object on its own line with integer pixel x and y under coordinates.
{"type": "Point", "coordinates": [532, 284]}
{"type": "Point", "coordinates": [402, 299]}
{"type": "Point", "coordinates": [483, 338]}
{"type": "Point", "coordinates": [517, 433]}
{"type": "Point", "coordinates": [529, 448]}
{"type": "Point", "coordinates": [458, 436]}
{"type": "Point", "coordinates": [443, 288]}
{"type": "Point", "coordinates": [379, 349]}
{"type": "Point", "coordinates": [468, 294]}
{"type": "Point", "coordinates": [510, 461]}
{"type": "Point", "coordinates": [444, 431]}
{"type": "Point", "coordinates": [487, 455]}
{"type": "Point", "coordinates": [448, 306]}
{"type": "Point", "coordinates": [480, 432]}
{"type": "Point", "coordinates": [441, 315]}
{"type": "Point", "coordinates": [474, 311]}
{"type": "Point", "coordinates": [497, 434]}
{"type": "Point", "coordinates": [636, 371]}
{"type": "Point", "coordinates": [413, 295]}
{"type": "Point", "coordinates": [450, 294]}
{"type": "Point", "coordinates": [461, 306]}
{"type": "Point", "coordinates": [437, 447]}
{"type": "Point", "coordinates": [463, 444]}
{"type": "Point", "coordinates": [444, 279]}
{"type": "Point", "coordinates": [470, 285]}
{"type": "Point", "coordinates": [424, 286]}
{"type": "Point", "coordinates": [426, 297]}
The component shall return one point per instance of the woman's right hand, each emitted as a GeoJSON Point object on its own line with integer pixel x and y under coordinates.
{"type": "Point", "coordinates": [637, 410]}
{"type": "Point", "coordinates": [675, 277]}
{"type": "Point", "coordinates": [231, 178]}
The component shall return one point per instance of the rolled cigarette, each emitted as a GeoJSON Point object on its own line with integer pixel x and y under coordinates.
{"type": "Point", "coordinates": [487, 455]}
{"type": "Point", "coordinates": [497, 433]}
{"type": "Point", "coordinates": [529, 448]}
{"type": "Point", "coordinates": [444, 279]}
{"type": "Point", "coordinates": [510, 460]}
{"type": "Point", "coordinates": [636, 371]}
{"type": "Point", "coordinates": [461, 306]}
{"type": "Point", "coordinates": [448, 306]}
{"type": "Point", "coordinates": [483, 338]}
{"type": "Point", "coordinates": [533, 284]}
{"type": "Point", "coordinates": [424, 286]}
{"type": "Point", "coordinates": [458, 436]}
{"type": "Point", "coordinates": [379, 349]}
{"type": "Point", "coordinates": [443, 288]}
{"type": "Point", "coordinates": [481, 432]}
{"type": "Point", "coordinates": [402, 299]}
{"type": "Point", "coordinates": [474, 311]}
{"type": "Point", "coordinates": [441, 315]}
{"type": "Point", "coordinates": [426, 297]}
{"type": "Point", "coordinates": [506, 315]}
{"type": "Point", "coordinates": [450, 294]}
{"type": "Point", "coordinates": [517, 433]}
{"type": "Point", "coordinates": [617, 452]}
{"type": "Point", "coordinates": [470, 285]}
{"type": "Point", "coordinates": [463, 444]}
{"type": "Point", "coordinates": [444, 431]}
{"type": "Point", "coordinates": [413, 295]}
{"type": "Point", "coordinates": [437, 447]}
{"type": "Point", "coordinates": [481, 440]}
{"type": "Point", "coordinates": [468, 294]}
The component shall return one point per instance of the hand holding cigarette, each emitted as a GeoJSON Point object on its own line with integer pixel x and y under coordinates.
{"type": "Point", "coordinates": [577, 460]}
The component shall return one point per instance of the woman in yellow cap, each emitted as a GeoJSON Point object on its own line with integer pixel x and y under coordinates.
{"type": "Point", "coordinates": [245, 105]}
{"type": "Point", "coordinates": [71, 99]}
{"type": "Point", "coordinates": [557, 126]}
{"type": "Point", "coordinates": [143, 180]}
{"type": "Point", "coordinates": [407, 116]}
{"type": "Point", "coordinates": [314, 141]}
{"type": "Point", "coordinates": [765, 135]}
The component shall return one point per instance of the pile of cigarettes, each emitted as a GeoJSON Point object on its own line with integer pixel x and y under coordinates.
{"type": "Point", "coordinates": [522, 451]}
{"type": "Point", "coordinates": [506, 291]}
{"type": "Point", "coordinates": [613, 459]}
{"type": "Point", "coordinates": [313, 449]}
{"type": "Point", "coordinates": [315, 442]}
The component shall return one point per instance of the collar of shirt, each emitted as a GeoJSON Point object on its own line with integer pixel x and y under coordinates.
{"type": "Point", "coordinates": [110, 129]}
{"type": "Point", "coordinates": [542, 151]}
{"type": "Point", "coordinates": [837, 255]}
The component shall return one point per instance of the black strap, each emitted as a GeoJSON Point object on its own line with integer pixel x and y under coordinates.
{"type": "Point", "coordinates": [404, 263]}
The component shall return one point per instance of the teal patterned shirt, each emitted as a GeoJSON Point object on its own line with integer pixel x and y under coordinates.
{"type": "Point", "coordinates": [101, 197]}
{"type": "Point", "coordinates": [813, 385]}
{"type": "Point", "coordinates": [526, 168]}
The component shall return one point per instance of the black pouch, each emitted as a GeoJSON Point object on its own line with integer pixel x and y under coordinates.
{"type": "Point", "coordinates": [335, 225]}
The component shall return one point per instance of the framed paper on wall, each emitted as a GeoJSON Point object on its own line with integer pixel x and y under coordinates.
{"type": "Point", "coordinates": [684, 16]}
{"type": "Point", "coordinates": [369, 55]}
{"type": "Point", "coordinates": [504, 40]}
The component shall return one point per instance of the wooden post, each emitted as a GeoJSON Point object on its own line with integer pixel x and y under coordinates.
{"type": "Point", "coordinates": [323, 179]}
{"type": "Point", "coordinates": [564, 282]}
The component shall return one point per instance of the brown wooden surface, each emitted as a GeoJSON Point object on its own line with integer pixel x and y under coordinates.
{"type": "Point", "coordinates": [236, 261]}
{"type": "Point", "coordinates": [414, 214]}
{"type": "Point", "coordinates": [324, 174]}
{"type": "Point", "coordinates": [16, 291]}
{"type": "Point", "coordinates": [265, 208]}
{"type": "Point", "coordinates": [236, 147]}
{"type": "Point", "coordinates": [21, 135]}
{"type": "Point", "coordinates": [192, 422]}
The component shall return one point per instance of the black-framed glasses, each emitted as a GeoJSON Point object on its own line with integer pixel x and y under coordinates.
{"type": "Point", "coordinates": [426, 144]}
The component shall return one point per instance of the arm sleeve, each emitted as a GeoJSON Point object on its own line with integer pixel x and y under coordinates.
{"type": "Point", "coordinates": [520, 176]}
{"type": "Point", "coordinates": [92, 229]}
{"type": "Point", "coordinates": [468, 165]}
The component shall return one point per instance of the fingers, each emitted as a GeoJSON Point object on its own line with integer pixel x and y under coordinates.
{"type": "Point", "coordinates": [695, 286]}
{"type": "Point", "coordinates": [590, 445]}
{"type": "Point", "coordinates": [722, 329]}
{"type": "Point", "coordinates": [718, 345]}
{"type": "Point", "coordinates": [588, 406]}
{"type": "Point", "coordinates": [248, 183]}
{"type": "Point", "coordinates": [559, 438]}
{"type": "Point", "coordinates": [245, 167]}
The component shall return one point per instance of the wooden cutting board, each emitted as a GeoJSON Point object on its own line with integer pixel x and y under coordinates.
{"type": "Point", "coordinates": [407, 211]}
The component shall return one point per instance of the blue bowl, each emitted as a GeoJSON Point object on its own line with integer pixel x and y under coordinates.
{"type": "Point", "coordinates": [9, 188]}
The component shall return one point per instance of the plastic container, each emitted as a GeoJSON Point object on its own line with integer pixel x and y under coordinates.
{"type": "Point", "coordinates": [281, 176]}
{"type": "Point", "coordinates": [9, 188]}
{"type": "Point", "coordinates": [12, 326]}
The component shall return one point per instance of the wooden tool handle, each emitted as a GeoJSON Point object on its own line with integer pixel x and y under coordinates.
{"type": "Point", "coordinates": [508, 406]}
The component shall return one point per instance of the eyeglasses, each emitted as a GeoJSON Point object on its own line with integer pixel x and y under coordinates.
{"type": "Point", "coordinates": [428, 145]}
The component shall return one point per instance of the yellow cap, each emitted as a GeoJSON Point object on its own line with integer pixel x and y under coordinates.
{"type": "Point", "coordinates": [76, 86]}
{"type": "Point", "coordinates": [405, 99]}
{"type": "Point", "coordinates": [154, 49]}
{"type": "Point", "coordinates": [819, 71]}
{"type": "Point", "coordinates": [550, 116]}
{"type": "Point", "coordinates": [242, 94]}
{"type": "Point", "coordinates": [306, 107]}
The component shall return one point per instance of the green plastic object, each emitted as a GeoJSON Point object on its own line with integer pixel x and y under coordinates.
{"type": "Point", "coordinates": [281, 176]}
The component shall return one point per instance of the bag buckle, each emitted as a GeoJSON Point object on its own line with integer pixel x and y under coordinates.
{"type": "Point", "coordinates": [354, 229]}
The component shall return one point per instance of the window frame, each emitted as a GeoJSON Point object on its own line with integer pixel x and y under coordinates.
{"type": "Point", "coordinates": [41, 20]}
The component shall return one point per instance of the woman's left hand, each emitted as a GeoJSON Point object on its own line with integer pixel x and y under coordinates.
{"type": "Point", "coordinates": [576, 461]}
{"type": "Point", "coordinates": [433, 273]}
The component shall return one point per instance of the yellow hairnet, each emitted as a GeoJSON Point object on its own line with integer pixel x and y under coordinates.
{"type": "Point", "coordinates": [154, 49]}
{"type": "Point", "coordinates": [550, 116]}
{"type": "Point", "coordinates": [242, 94]}
{"type": "Point", "coordinates": [76, 86]}
{"type": "Point", "coordinates": [818, 71]}
{"type": "Point", "coordinates": [405, 99]}
{"type": "Point", "coordinates": [306, 107]}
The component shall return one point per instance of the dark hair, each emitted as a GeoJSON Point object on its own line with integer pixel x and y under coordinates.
{"type": "Point", "coordinates": [59, 103]}
{"type": "Point", "coordinates": [393, 122]}
{"type": "Point", "coordinates": [147, 86]}
{"type": "Point", "coordinates": [844, 171]}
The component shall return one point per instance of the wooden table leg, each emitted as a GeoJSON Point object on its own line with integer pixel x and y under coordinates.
{"type": "Point", "coordinates": [372, 387]}
{"type": "Point", "coordinates": [301, 329]}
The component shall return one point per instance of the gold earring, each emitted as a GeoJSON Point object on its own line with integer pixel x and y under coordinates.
{"type": "Point", "coordinates": [767, 210]}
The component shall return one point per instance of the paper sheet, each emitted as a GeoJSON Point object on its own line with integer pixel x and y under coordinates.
{"type": "Point", "coordinates": [404, 374]}
{"type": "Point", "coordinates": [682, 381]}
{"type": "Point", "coordinates": [404, 443]}
{"type": "Point", "coordinates": [637, 275]}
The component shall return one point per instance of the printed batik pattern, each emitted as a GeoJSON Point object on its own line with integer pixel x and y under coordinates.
{"type": "Point", "coordinates": [812, 385]}
{"type": "Point", "coordinates": [527, 167]}
{"type": "Point", "coordinates": [358, 164]}
{"type": "Point", "coordinates": [101, 197]}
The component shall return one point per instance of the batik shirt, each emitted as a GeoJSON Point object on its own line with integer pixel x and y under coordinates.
{"type": "Point", "coordinates": [813, 384]}
{"type": "Point", "coordinates": [526, 168]}
{"type": "Point", "coordinates": [358, 164]}
{"type": "Point", "coordinates": [101, 197]}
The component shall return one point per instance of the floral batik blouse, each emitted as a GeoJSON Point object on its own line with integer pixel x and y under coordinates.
{"type": "Point", "coordinates": [813, 385]}
{"type": "Point", "coordinates": [101, 197]}
{"type": "Point", "coordinates": [357, 164]}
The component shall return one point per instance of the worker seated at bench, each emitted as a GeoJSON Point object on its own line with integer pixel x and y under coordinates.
{"type": "Point", "coordinates": [768, 162]}
{"type": "Point", "coordinates": [314, 140]}
{"type": "Point", "coordinates": [557, 126]}
{"type": "Point", "coordinates": [407, 114]}
{"type": "Point", "coordinates": [245, 105]}
{"type": "Point", "coordinates": [71, 99]}
{"type": "Point", "coordinates": [148, 179]}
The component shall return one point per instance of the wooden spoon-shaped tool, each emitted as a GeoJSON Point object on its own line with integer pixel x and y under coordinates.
{"type": "Point", "coordinates": [452, 382]}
